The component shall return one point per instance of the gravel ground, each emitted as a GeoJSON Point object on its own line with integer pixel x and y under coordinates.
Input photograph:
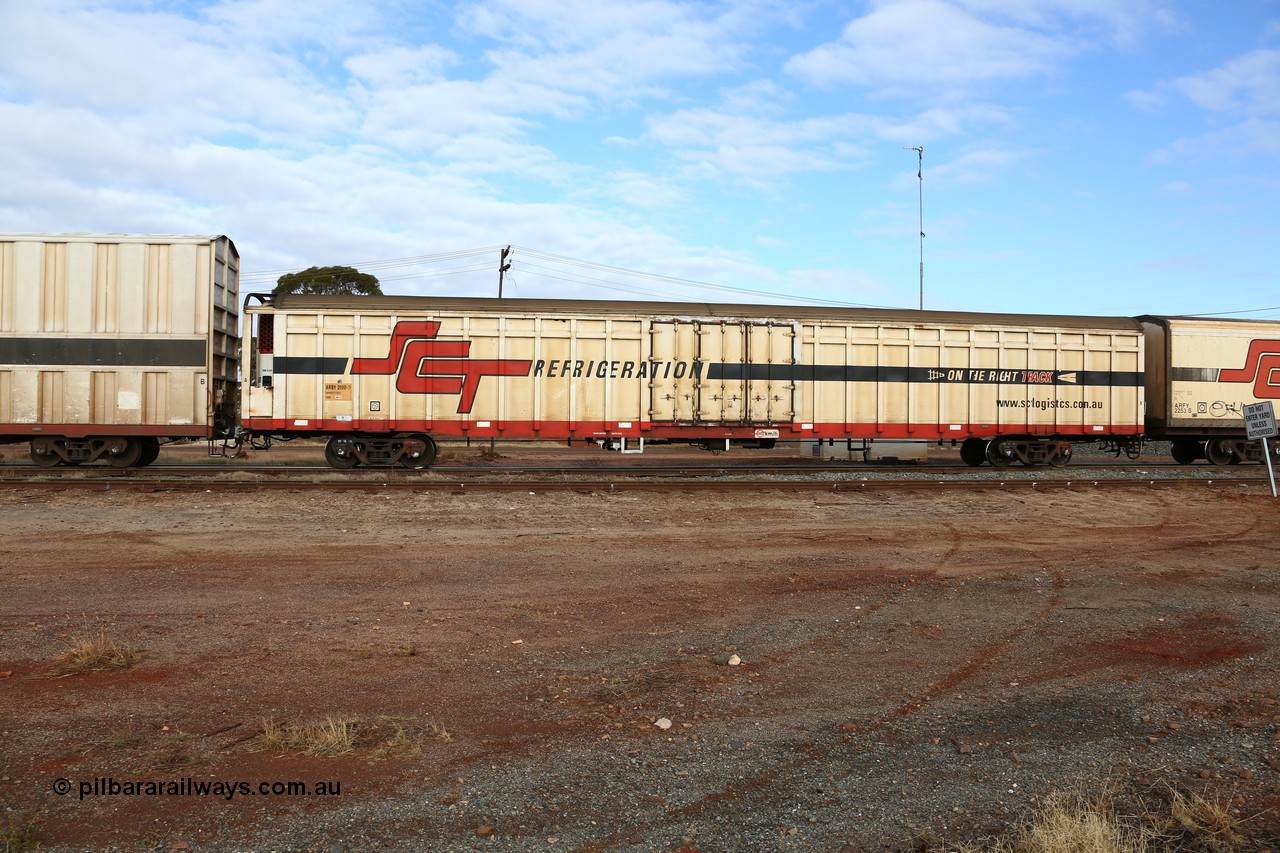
{"type": "Point", "coordinates": [911, 668]}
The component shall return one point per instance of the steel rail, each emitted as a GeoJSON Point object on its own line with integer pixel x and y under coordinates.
{"type": "Point", "coordinates": [700, 484]}
{"type": "Point", "coordinates": [16, 471]}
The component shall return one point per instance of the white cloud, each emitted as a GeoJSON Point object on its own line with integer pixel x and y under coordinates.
{"type": "Point", "coordinates": [978, 166]}
{"type": "Point", "coordinates": [927, 42]}
{"type": "Point", "coordinates": [1246, 91]}
{"type": "Point", "coordinates": [612, 50]}
{"type": "Point", "coordinates": [192, 78]}
{"type": "Point", "coordinates": [943, 122]}
{"type": "Point", "coordinates": [757, 150]}
{"type": "Point", "coordinates": [402, 66]}
{"type": "Point", "coordinates": [955, 45]}
{"type": "Point", "coordinates": [1249, 83]}
{"type": "Point", "coordinates": [1118, 23]}
{"type": "Point", "coordinates": [637, 189]}
{"type": "Point", "coordinates": [1253, 136]}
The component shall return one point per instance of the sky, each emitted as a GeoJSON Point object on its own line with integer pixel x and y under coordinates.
{"type": "Point", "coordinates": [1079, 156]}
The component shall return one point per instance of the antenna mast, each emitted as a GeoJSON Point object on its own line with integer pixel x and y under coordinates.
{"type": "Point", "coordinates": [919, 149]}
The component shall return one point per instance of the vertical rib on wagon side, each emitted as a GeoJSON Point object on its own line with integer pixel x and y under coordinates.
{"type": "Point", "coordinates": [110, 344]}
{"type": "Point", "coordinates": [412, 367]}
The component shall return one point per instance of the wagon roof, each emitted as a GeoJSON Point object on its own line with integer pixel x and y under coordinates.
{"type": "Point", "coordinates": [86, 237]}
{"type": "Point", "coordinates": [584, 307]}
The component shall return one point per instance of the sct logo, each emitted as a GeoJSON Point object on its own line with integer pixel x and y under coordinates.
{"type": "Point", "coordinates": [1261, 367]}
{"type": "Point", "coordinates": [424, 365]}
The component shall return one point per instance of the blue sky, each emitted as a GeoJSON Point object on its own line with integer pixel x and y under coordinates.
{"type": "Point", "coordinates": [1080, 156]}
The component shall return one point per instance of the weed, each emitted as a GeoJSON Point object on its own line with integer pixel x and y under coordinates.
{"type": "Point", "coordinates": [400, 743]}
{"type": "Point", "coordinates": [334, 736]}
{"type": "Point", "coordinates": [98, 654]}
{"type": "Point", "coordinates": [1164, 819]}
{"type": "Point", "coordinates": [343, 735]}
{"type": "Point", "coordinates": [616, 687]}
{"type": "Point", "coordinates": [407, 649]}
{"type": "Point", "coordinates": [1070, 822]}
{"type": "Point", "coordinates": [19, 835]}
{"type": "Point", "coordinates": [1199, 817]}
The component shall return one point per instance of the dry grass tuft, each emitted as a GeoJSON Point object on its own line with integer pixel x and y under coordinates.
{"type": "Point", "coordinates": [98, 654]}
{"type": "Point", "coordinates": [1164, 819]}
{"type": "Point", "coordinates": [1200, 817]}
{"type": "Point", "coordinates": [334, 736]}
{"type": "Point", "coordinates": [1077, 822]}
{"type": "Point", "coordinates": [18, 835]}
{"type": "Point", "coordinates": [406, 649]}
{"type": "Point", "coordinates": [1073, 822]}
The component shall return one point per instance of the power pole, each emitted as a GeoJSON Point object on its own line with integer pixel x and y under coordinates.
{"type": "Point", "coordinates": [919, 149]}
{"type": "Point", "coordinates": [503, 266]}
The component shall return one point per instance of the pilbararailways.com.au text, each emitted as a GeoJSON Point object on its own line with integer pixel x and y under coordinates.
{"type": "Point", "coordinates": [226, 789]}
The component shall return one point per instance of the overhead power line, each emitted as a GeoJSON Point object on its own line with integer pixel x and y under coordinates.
{"type": "Point", "coordinates": [556, 268]}
{"type": "Point", "coordinates": [676, 281]}
{"type": "Point", "coordinates": [1231, 313]}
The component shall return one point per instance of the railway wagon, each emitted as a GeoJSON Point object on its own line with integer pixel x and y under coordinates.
{"type": "Point", "coordinates": [383, 375]}
{"type": "Point", "coordinates": [110, 344]}
{"type": "Point", "coordinates": [1201, 372]}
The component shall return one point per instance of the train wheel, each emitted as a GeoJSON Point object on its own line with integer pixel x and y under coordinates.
{"type": "Point", "coordinates": [150, 451]}
{"type": "Point", "coordinates": [1000, 452]}
{"type": "Point", "coordinates": [1185, 451]}
{"type": "Point", "coordinates": [973, 452]}
{"type": "Point", "coordinates": [44, 457]}
{"type": "Point", "coordinates": [1218, 451]}
{"type": "Point", "coordinates": [425, 449]}
{"type": "Point", "coordinates": [123, 452]}
{"type": "Point", "coordinates": [340, 453]}
{"type": "Point", "coordinates": [1061, 456]}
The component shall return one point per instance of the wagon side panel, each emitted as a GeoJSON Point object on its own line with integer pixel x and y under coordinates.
{"type": "Point", "coordinates": [111, 335]}
{"type": "Point", "coordinates": [1214, 368]}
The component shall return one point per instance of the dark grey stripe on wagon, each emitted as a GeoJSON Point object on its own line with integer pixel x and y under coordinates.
{"type": "Point", "coordinates": [1194, 374]}
{"type": "Point", "coordinates": [309, 364]}
{"type": "Point", "coordinates": [943, 375]}
{"type": "Point", "coordinates": [104, 352]}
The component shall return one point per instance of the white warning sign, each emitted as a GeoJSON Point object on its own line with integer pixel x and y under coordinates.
{"type": "Point", "coordinates": [1259, 420]}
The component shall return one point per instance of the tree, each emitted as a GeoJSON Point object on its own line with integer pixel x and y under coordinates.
{"type": "Point", "coordinates": [329, 281]}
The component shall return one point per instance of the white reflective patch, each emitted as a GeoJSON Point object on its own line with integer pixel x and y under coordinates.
{"type": "Point", "coordinates": [482, 423]}
{"type": "Point", "coordinates": [343, 418]}
{"type": "Point", "coordinates": [624, 425]}
{"type": "Point", "coordinates": [129, 400]}
{"type": "Point", "coordinates": [299, 423]}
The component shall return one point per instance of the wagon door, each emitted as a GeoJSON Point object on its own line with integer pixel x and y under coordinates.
{"type": "Point", "coordinates": [731, 372]}
{"type": "Point", "coordinates": [671, 370]}
{"type": "Point", "coordinates": [770, 373]}
{"type": "Point", "coordinates": [723, 394]}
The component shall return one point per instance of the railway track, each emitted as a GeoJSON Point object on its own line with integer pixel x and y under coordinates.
{"type": "Point", "coordinates": [543, 478]}
{"type": "Point", "coordinates": [215, 469]}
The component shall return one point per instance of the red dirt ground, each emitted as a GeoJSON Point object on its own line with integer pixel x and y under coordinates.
{"type": "Point", "coordinates": [914, 665]}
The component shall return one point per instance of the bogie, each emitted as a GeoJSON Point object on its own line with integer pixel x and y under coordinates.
{"type": "Point", "coordinates": [117, 451]}
{"type": "Point", "coordinates": [413, 451]}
